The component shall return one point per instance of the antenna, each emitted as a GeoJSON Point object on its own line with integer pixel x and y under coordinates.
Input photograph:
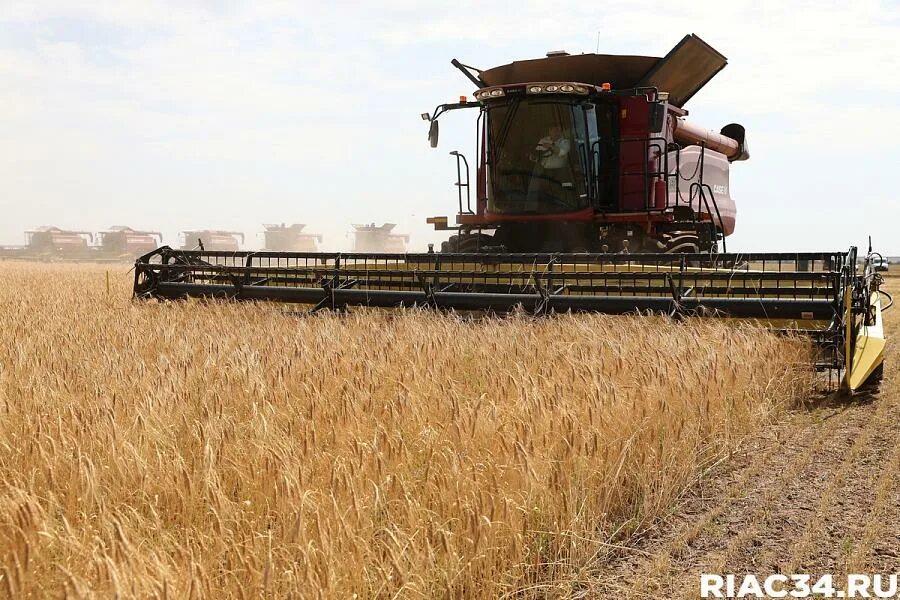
{"type": "Point", "coordinates": [467, 71]}
{"type": "Point", "coordinates": [598, 43]}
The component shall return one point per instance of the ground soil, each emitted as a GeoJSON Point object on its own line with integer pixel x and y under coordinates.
{"type": "Point", "coordinates": [817, 493]}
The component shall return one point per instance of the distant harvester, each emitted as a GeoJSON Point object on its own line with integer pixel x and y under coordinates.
{"type": "Point", "coordinates": [290, 238]}
{"type": "Point", "coordinates": [120, 240]}
{"type": "Point", "coordinates": [379, 238]}
{"type": "Point", "coordinates": [212, 239]}
{"type": "Point", "coordinates": [50, 240]}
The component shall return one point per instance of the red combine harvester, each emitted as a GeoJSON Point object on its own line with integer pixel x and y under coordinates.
{"type": "Point", "coordinates": [290, 238]}
{"type": "Point", "coordinates": [122, 241]}
{"type": "Point", "coordinates": [378, 238]}
{"type": "Point", "coordinates": [212, 239]}
{"type": "Point", "coordinates": [52, 243]}
{"type": "Point", "coordinates": [592, 194]}
{"type": "Point", "coordinates": [592, 153]}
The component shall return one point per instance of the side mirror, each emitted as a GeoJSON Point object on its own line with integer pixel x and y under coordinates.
{"type": "Point", "coordinates": [433, 133]}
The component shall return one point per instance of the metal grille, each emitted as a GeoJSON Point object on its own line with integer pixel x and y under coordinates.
{"type": "Point", "coordinates": [808, 278]}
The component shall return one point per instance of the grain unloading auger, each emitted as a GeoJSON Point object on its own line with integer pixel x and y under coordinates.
{"type": "Point", "coordinates": [592, 194]}
{"type": "Point", "coordinates": [832, 297]}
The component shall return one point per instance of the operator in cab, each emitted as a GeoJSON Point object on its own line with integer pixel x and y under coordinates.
{"type": "Point", "coordinates": [551, 166]}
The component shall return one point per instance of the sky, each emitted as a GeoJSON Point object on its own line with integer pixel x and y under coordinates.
{"type": "Point", "coordinates": [230, 114]}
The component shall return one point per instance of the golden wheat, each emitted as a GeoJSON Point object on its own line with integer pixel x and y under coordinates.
{"type": "Point", "coordinates": [196, 449]}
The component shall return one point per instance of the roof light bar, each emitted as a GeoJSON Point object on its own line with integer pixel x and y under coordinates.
{"type": "Point", "coordinates": [537, 88]}
{"type": "Point", "coordinates": [557, 88]}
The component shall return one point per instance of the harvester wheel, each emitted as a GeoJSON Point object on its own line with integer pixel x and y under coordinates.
{"type": "Point", "coordinates": [466, 242]}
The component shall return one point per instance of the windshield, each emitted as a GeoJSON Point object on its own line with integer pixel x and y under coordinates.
{"type": "Point", "coordinates": [538, 155]}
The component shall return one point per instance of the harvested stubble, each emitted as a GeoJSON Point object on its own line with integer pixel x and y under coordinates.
{"type": "Point", "coordinates": [238, 450]}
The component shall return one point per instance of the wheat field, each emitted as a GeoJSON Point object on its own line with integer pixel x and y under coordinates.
{"type": "Point", "coordinates": [223, 450]}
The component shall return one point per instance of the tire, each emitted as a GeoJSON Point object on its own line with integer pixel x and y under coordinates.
{"type": "Point", "coordinates": [466, 242]}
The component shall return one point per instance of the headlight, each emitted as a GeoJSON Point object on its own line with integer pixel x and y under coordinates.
{"type": "Point", "coordinates": [567, 88]}
{"type": "Point", "coordinates": [535, 89]}
{"type": "Point", "coordinates": [552, 88]}
{"type": "Point", "coordinates": [489, 93]}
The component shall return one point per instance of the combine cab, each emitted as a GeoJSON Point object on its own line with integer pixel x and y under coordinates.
{"type": "Point", "coordinates": [378, 238]}
{"type": "Point", "coordinates": [593, 153]}
{"type": "Point", "coordinates": [212, 239]}
{"type": "Point", "coordinates": [593, 194]}
{"type": "Point", "coordinates": [121, 241]}
{"type": "Point", "coordinates": [290, 238]}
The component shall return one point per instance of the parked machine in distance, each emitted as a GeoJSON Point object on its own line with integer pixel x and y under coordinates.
{"type": "Point", "coordinates": [123, 241]}
{"type": "Point", "coordinates": [379, 238]}
{"type": "Point", "coordinates": [212, 239]}
{"type": "Point", "coordinates": [290, 238]}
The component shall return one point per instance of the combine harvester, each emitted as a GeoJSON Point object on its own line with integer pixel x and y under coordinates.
{"type": "Point", "coordinates": [290, 238]}
{"type": "Point", "coordinates": [593, 194]}
{"type": "Point", "coordinates": [379, 238]}
{"type": "Point", "coordinates": [212, 239]}
{"type": "Point", "coordinates": [120, 242]}
{"type": "Point", "coordinates": [49, 243]}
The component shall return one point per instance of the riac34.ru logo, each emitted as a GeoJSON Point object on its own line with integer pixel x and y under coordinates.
{"type": "Point", "coordinates": [798, 586]}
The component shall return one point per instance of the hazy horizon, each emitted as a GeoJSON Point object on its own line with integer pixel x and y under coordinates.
{"type": "Point", "coordinates": [228, 115]}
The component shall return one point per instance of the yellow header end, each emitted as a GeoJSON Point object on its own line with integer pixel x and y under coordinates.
{"type": "Point", "coordinates": [868, 349]}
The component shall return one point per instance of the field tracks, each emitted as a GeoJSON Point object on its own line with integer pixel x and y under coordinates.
{"type": "Point", "coordinates": [819, 492]}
